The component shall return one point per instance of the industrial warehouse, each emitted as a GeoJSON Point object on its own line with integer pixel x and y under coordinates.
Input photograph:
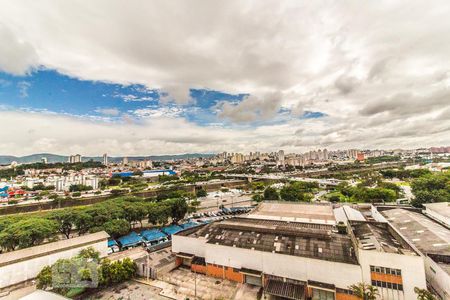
{"type": "Point", "coordinates": [298, 251]}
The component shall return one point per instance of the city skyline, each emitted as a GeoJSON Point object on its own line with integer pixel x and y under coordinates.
{"type": "Point", "coordinates": [206, 77]}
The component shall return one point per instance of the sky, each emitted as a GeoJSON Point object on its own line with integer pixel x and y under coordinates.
{"type": "Point", "coordinates": [170, 77]}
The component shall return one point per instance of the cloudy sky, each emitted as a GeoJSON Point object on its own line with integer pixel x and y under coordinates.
{"type": "Point", "coordinates": [166, 77]}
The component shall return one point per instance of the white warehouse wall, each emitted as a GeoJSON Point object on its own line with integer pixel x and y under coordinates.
{"type": "Point", "coordinates": [25, 270]}
{"type": "Point", "coordinates": [413, 273]}
{"type": "Point", "coordinates": [295, 267]}
{"type": "Point", "coordinates": [191, 245]}
{"type": "Point", "coordinates": [438, 278]}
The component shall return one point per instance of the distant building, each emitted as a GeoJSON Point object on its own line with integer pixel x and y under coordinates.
{"type": "Point", "coordinates": [105, 159]}
{"type": "Point", "coordinates": [74, 158]}
{"type": "Point", "coordinates": [125, 161]}
{"type": "Point", "coordinates": [360, 156]}
{"type": "Point", "coordinates": [44, 160]}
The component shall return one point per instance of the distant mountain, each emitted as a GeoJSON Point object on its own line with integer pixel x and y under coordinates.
{"type": "Point", "coordinates": [53, 158]}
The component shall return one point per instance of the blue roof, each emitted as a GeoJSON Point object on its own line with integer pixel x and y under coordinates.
{"type": "Point", "coordinates": [112, 243]}
{"type": "Point", "coordinates": [153, 235]}
{"type": "Point", "coordinates": [123, 174]}
{"type": "Point", "coordinates": [172, 229]}
{"type": "Point", "coordinates": [189, 225]}
{"type": "Point", "coordinates": [171, 172]}
{"type": "Point", "coordinates": [130, 240]}
{"type": "Point", "coordinates": [129, 174]}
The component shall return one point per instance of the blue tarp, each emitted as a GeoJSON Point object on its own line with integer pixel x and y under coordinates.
{"type": "Point", "coordinates": [131, 239]}
{"type": "Point", "coordinates": [189, 225]}
{"type": "Point", "coordinates": [172, 229]}
{"type": "Point", "coordinates": [112, 243]}
{"type": "Point", "coordinates": [153, 235]}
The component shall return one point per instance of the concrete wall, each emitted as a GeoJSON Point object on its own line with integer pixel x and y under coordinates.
{"type": "Point", "coordinates": [25, 270]}
{"type": "Point", "coordinates": [191, 245]}
{"type": "Point", "coordinates": [437, 278]}
{"type": "Point", "coordinates": [413, 273]}
{"type": "Point", "coordinates": [295, 267]}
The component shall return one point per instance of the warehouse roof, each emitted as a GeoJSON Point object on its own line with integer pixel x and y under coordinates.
{"type": "Point", "coordinates": [427, 235]}
{"type": "Point", "coordinates": [298, 239]}
{"type": "Point", "coordinates": [442, 208]}
{"type": "Point", "coordinates": [295, 212]}
{"type": "Point", "coordinates": [380, 237]}
{"type": "Point", "coordinates": [49, 248]}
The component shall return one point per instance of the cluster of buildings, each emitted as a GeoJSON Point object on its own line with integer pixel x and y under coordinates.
{"type": "Point", "coordinates": [303, 251]}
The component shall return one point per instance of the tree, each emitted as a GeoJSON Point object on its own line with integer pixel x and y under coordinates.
{"type": "Point", "coordinates": [424, 294]}
{"type": "Point", "coordinates": [79, 188]}
{"type": "Point", "coordinates": [83, 222]}
{"type": "Point", "coordinates": [364, 291]}
{"type": "Point", "coordinates": [27, 232]}
{"type": "Point", "coordinates": [44, 278]}
{"type": "Point", "coordinates": [65, 219]}
{"type": "Point", "coordinates": [431, 188]}
{"type": "Point", "coordinates": [158, 214]}
{"type": "Point", "coordinates": [116, 228]}
{"type": "Point", "coordinates": [134, 212]}
{"type": "Point", "coordinates": [89, 253]}
{"type": "Point", "coordinates": [294, 192]}
{"type": "Point", "coordinates": [257, 197]}
{"type": "Point", "coordinates": [117, 271]}
{"type": "Point", "coordinates": [178, 209]}
{"type": "Point", "coordinates": [201, 193]}
{"type": "Point", "coordinates": [271, 193]}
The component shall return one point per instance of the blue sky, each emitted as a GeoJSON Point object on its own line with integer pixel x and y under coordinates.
{"type": "Point", "coordinates": [48, 90]}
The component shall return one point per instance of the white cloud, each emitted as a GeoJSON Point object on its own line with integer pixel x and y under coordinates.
{"type": "Point", "coordinates": [376, 69]}
{"type": "Point", "coordinates": [108, 111]}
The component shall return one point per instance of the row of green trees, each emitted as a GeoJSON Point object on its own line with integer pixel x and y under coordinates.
{"type": "Point", "coordinates": [383, 192]}
{"type": "Point", "coordinates": [431, 188]}
{"type": "Point", "coordinates": [404, 174]}
{"type": "Point", "coordinates": [293, 191]}
{"type": "Point", "coordinates": [115, 216]}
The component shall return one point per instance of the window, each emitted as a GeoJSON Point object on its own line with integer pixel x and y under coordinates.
{"type": "Point", "coordinates": [322, 295]}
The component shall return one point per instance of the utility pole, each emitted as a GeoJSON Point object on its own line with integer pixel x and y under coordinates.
{"type": "Point", "coordinates": [195, 285]}
{"type": "Point", "coordinates": [148, 266]}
